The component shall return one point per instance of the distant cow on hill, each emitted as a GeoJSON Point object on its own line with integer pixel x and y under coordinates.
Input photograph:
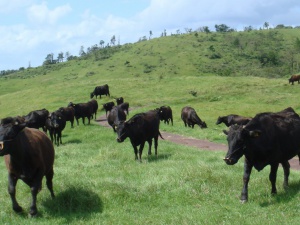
{"type": "Point", "coordinates": [100, 90]}
{"type": "Point", "coordinates": [233, 119]}
{"type": "Point", "coordinates": [294, 78]}
{"type": "Point", "coordinates": [29, 156]}
{"type": "Point", "coordinates": [140, 128]}
{"type": "Point", "coordinates": [190, 118]}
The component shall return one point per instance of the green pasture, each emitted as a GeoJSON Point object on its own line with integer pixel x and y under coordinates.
{"type": "Point", "coordinates": [97, 180]}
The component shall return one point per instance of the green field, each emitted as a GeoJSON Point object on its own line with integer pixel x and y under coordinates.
{"type": "Point", "coordinates": [97, 180]}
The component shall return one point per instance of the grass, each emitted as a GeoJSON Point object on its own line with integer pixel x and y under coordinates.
{"type": "Point", "coordinates": [97, 180]}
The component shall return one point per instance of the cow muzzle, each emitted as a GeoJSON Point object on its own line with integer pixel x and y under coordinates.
{"type": "Point", "coordinates": [230, 161]}
{"type": "Point", "coordinates": [119, 140]}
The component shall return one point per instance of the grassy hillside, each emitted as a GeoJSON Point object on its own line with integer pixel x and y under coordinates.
{"type": "Point", "coordinates": [96, 179]}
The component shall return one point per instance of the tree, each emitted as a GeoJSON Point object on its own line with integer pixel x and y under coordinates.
{"type": "Point", "coordinates": [150, 34]}
{"type": "Point", "coordinates": [60, 57]}
{"type": "Point", "coordinates": [101, 43]}
{"type": "Point", "coordinates": [67, 55]}
{"type": "Point", "coordinates": [249, 28]}
{"type": "Point", "coordinates": [222, 28]}
{"type": "Point", "coordinates": [49, 59]}
{"type": "Point", "coordinates": [266, 25]}
{"type": "Point", "coordinates": [81, 51]}
{"type": "Point", "coordinates": [113, 40]}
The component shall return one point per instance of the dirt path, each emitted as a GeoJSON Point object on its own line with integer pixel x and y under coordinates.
{"type": "Point", "coordinates": [197, 143]}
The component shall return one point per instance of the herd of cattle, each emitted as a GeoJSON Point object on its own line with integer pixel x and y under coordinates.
{"type": "Point", "coordinates": [266, 139]}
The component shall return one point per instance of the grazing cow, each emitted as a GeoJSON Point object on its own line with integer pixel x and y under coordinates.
{"type": "Point", "coordinates": [55, 124]}
{"type": "Point", "coordinates": [119, 100]}
{"type": "Point", "coordinates": [108, 106]}
{"type": "Point", "coordinates": [116, 116]}
{"type": "Point", "coordinates": [268, 139]}
{"type": "Point", "coordinates": [29, 156]}
{"type": "Point", "coordinates": [233, 119]}
{"type": "Point", "coordinates": [100, 90]}
{"type": "Point", "coordinates": [190, 117]}
{"type": "Point", "coordinates": [294, 78]}
{"type": "Point", "coordinates": [37, 119]}
{"type": "Point", "coordinates": [125, 107]}
{"type": "Point", "coordinates": [165, 114]}
{"type": "Point", "coordinates": [82, 110]}
{"type": "Point", "coordinates": [94, 105]}
{"type": "Point", "coordinates": [68, 113]}
{"type": "Point", "coordinates": [140, 128]}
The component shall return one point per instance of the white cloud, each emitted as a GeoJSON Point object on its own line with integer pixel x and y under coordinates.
{"type": "Point", "coordinates": [8, 6]}
{"type": "Point", "coordinates": [41, 14]}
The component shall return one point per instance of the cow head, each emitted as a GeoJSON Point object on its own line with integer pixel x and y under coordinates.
{"type": "Point", "coordinates": [9, 128]}
{"type": "Point", "coordinates": [55, 118]}
{"type": "Point", "coordinates": [122, 130]}
{"type": "Point", "coordinates": [92, 94]}
{"type": "Point", "coordinates": [220, 120]}
{"type": "Point", "coordinates": [237, 138]}
{"type": "Point", "coordinates": [203, 125]}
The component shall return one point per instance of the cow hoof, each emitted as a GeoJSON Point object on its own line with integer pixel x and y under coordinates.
{"type": "Point", "coordinates": [18, 209]}
{"type": "Point", "coordinates": [32, 213]}
{"type": "Point", "coordinates": [244, 201]}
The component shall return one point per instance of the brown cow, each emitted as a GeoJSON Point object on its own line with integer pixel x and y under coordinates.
{"type": "Point", "coordinates": [29, 156]}
{"type": "Point", "coordinates": [294, 78]}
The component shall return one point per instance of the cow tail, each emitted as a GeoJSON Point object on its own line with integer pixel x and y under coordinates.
{"type": "Point", "coordinates": [160, 135]}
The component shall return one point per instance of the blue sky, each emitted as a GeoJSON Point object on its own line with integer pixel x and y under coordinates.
{"type": "Point", "coordinates": [31, 29]}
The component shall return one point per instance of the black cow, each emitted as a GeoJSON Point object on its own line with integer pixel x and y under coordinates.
{"type": "Point", "coordinates": [119, 100]}
{"type": "Point", "coordinates": [233, 119]}
{"type": "Point", "coordinates": [190, 117]}
{"type": "Point", "coordinates": [94, 105]}
{"type": "Point", "coordinates": [115, 117]}
{"type": "Point", "coordinates": [37, 119]}
{"type": "Point", "coordinates": [108, 106]}
{"type": "Point", "coordinates": [125, 107]}
{"type": "Point", "coordinates": [29, 156]}
{"type": "Point", "coordinates": [69, 114]}
{"type": "Point", "coordinates": [100, 90]}
{"type": "Point", "coordinates": [140, 128]}
{"type": "Point", "coordinates": [268, 139]}
{"type": "Point", "coordinates": [55, 124]}
{"type": "Point", "coordinates": [294, 78]}
{"type": "Point", "coordinates": [165, 114]}
{"type": "Point", "coordinates": [82, 110]}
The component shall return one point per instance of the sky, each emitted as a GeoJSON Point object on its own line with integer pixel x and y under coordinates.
{"type": "Point", "coordinates": [32, 29]}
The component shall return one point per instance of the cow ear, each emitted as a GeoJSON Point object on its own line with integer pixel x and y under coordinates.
{"type": "Point", "coordinates": [225, 132]}
{"type": "Point", "coordinates": [254, 133]}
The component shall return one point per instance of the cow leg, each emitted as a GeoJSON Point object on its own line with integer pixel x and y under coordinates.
{"type": "Point", "coordinates": [246, 177]}
{"type": "Point", "coordinates": [83, 120]}
{"type": "Point", "coordinates": [155, 144]}
{"type": "Point", "coordinates": [77, 121]}
{"type": "Point", "coordinates": [135, 150]}
{"type": "Point", "coordinates": [150, 145]}
{"type": "Point", "coordinates": [89, 119]}
{"type": "Point", "coordinates": [12, 182]}
{"type": "Point", "coordinates": [286, 170]}
{"type": "Point", "coordinates": [141, 151]}
{"type": "Point", "coordinates": [272, 177]}
{"type": "Point", "coordinates": [49, 177]}
{"type": "Point", "coordinates": [72, 123]}
{"type": "Point", "coordinates": [59, 138]}
{"type": "Point", "coordinates": [55, 138]}
{"type": "Point", "coordinates": [35, 188]}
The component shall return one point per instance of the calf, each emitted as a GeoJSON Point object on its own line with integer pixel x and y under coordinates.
{"type": "Point", "coordinates": [29, 156]}
{"type": "Point", "coordinates": [190, 117]}
{"type": "Point", "coordinates": [140, 128]}
{"type": "Point", "coordinates": [100, 90]}
{"type": "Point", "coordinates": [68, 113]}
{"type": "Point", "coordinates": [82, 110]}
{"type": "Point", "coordinates": [55, 124]}
{"type": "Point", "coordinates": [116, 116]}
{"type": "Point", "coordinates": [165, 114]}
{"type": "Point", "coordinates": [233, 119]}
{"type": "Point", "coordinates": [37, 119]}
{"type": "Point", "coordinates": [108, 106]}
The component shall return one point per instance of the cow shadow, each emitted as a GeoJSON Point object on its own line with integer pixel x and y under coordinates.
{"type": "Point", "coordinates": [284, 196]}
{"type": "Point", "coordinates": [159, 157]}
{"type": "Point", "coordinates": [74, 141]}
{"type": "Point", "coordinates": [74, 202]}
